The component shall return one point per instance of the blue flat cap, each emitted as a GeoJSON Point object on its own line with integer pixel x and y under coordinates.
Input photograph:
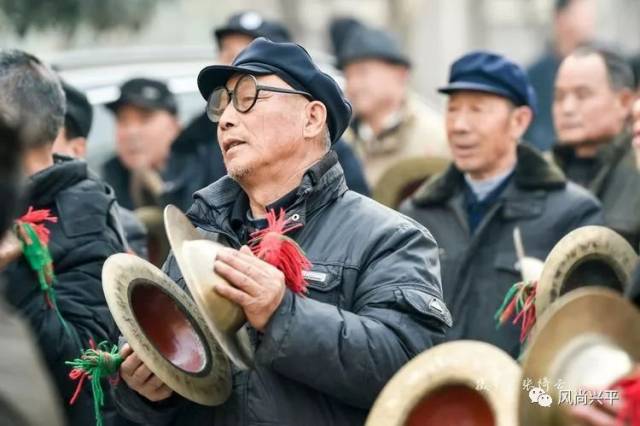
{"type": "Point", "coordinates": [291, 63]}
{"type": "Point", "coordinates": [491, 73]}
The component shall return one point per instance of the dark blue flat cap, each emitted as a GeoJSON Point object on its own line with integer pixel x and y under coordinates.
{"type": "Point", "coordinates": [254, 25]}
{"type": "Point", "coordinates": [291, 63]}
{"type": "Point", "coordinates": [488, 72]}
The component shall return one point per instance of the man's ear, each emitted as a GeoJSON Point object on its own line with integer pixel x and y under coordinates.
{"type": "Point", "coordinates": [625, 99]}
{"type": "Point", "coordinates": [79, 147]}
{"type": "Point", "coordinates": [521, 118]}
{"type": "Point", "coordinates": [315, 119]}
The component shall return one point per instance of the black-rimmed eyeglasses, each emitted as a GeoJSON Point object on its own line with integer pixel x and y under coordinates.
{"type": "Point", "coordinates": [244, 96]}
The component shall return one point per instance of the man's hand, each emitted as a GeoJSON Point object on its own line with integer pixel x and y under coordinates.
{"type": "Point", "coordinates": [10, 249]}
{"type": "Point", "coordinates": [139, 378]}
{"type": "Point", "coordinates": [256, 286]}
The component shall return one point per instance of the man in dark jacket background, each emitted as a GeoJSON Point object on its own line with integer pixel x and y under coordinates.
{"type": "Point", "coordinates": [591, 110]}
{"type": "Point", "coordinates": [146, 127]}
{"type": "Point", "coordinates": [72, 142]}
{"type": "Point", "coordinates": [374, 296]}
{"type": "Point", "coordinates": [493, 186]}
{"type": "Point", "coordinates": [84, 235]}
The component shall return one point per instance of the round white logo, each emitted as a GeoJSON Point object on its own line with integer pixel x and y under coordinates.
{"type": "Point", "coordinates": [250, 20]}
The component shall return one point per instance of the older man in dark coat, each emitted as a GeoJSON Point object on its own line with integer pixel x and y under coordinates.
{"type": "Point", "coordinates": [493, 186]}
{"type": "Point", "coordinates": [374, 297]}
{"type": "Point", "coordinates": [591, 109]}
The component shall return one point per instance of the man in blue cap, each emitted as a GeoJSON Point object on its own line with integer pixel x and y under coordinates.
{"type": "Point", "coordinates": [197, 144]}
{"type": "Point", "coordinates": [374, 295]}
{"type": "Point", "coordinates": [494, 186]}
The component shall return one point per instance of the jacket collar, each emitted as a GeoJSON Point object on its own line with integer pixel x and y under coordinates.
{"type": "Point", "coordinates": [322, 183]}
{"type": "Point", "coordinates": [609, 153]}
{"type": "Point", "coordinates": [44, 186]}
{"type": "Point", "coordinates": [532, 172]}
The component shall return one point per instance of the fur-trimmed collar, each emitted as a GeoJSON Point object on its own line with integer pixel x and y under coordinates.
{"type": "Point", "coordinates": [532, 172]}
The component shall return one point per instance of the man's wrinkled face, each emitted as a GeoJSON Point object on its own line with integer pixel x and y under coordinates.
{"type": "Point", "coordinates": [144, 136]}
{"type": "Point", "coordinates": [231, 45]}
{"type": "Point", "coordinates": [266, 135]}
{"type": "Point", "coordinates": [371, 83]}
{"type": "Point", "coordinates": [585, 107]}
{"type": "Point", "coordinates": [479, 130]}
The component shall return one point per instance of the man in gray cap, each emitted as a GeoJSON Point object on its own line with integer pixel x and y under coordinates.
{"type": "Point", "coordinates": [374, 296]}
{"type": "Point", "coordinates": [494, 186]}
{"type": "Point", "coordinates": [391, 122]}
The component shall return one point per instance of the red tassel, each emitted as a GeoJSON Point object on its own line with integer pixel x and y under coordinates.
{"type": "Point", "coordinates": [80, 375]}
{"type": "Point", "coordinates": [36, 219]}
{"type": "Point", "coordinates": [630, 396]}
{"type": "Point", "coordinates": [272, 246]}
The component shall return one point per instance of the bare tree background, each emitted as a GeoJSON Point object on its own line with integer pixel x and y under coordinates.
{"type": "Point", "coordinates": [67, 15]}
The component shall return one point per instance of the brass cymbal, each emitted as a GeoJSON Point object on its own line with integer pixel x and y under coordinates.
{"type": "Point", "coordinates": [165, 329]}
{"type": "Point", "coordinates": [196, 256]}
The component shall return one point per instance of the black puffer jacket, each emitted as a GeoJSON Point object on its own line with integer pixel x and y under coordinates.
{"type": "Point", "coordinates": [82, 239]}
{"type": "Point", "coordinates": [374, 303]}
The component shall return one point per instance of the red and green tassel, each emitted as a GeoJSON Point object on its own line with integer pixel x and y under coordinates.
{"type": "Point", "coordinates": [33, 234]}
{"type": "Point", "coordinates": [95, 364]}
{"type": "Point", "coordinates": [271, 245]}
{"type": "Point", "coordinates": [34, 239]}
{"type": "Point", "coordinates": [519, 303]}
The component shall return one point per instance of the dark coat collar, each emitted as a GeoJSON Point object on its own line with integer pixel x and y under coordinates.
{"type": "Point", "coordinates": [610, 152]}
{"type": "Point", "coordinates": [532, 172]}
{"type": "Point", "coordinates": [44, 186]}
{"type": "Point", "coordinates": [321, 184]}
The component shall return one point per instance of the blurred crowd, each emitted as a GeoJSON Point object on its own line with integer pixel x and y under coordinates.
{"type": "Point", "coordinates": [538, 151]}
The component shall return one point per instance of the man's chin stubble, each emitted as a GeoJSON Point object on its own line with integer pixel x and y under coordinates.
{"type": "Point", "coordinates": [239, 173]}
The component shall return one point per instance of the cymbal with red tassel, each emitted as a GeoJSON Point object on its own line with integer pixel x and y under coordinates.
{"type": "Point", "coordinates": [196, 257]}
